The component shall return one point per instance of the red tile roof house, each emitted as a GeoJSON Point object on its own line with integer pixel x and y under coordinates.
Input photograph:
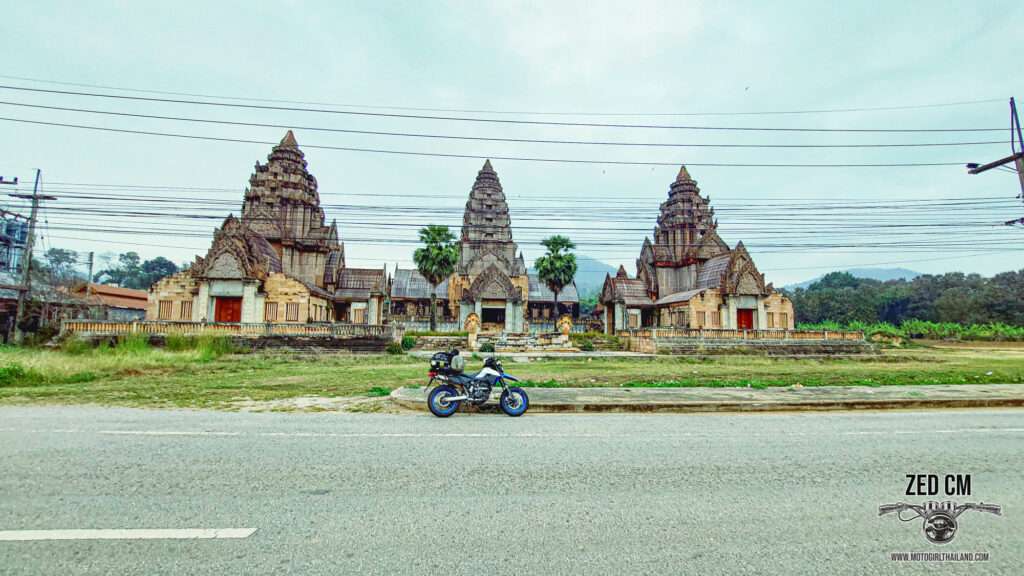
{"type": "Point", "coordinates": [112, 302]}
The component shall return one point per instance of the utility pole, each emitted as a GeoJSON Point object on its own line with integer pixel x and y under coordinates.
{"type": "Point", "coordinates": [1016, 156]}
{"type": "Point", "coordinates": [88, 281]}
{"type": "Point", "coordinates": [4, 213]}
{"type": "Point", "coordinates": [26, 270]}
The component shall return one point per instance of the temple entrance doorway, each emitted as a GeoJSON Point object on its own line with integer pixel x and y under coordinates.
{"type": "Point", "coordinates": [227, 309]}
{"type": "Point", "coordinates": [745, 319]}
{"type": "Point", "coordinates": [492, 316]}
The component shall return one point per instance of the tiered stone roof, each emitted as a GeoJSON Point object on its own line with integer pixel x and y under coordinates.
{"type": "Point", "coordinates": [248, 249]}
{"type": "Point", "coordinates": [487, 228]}
{"type": "Point", "coordinates": [686, 225]}
{"type": "Point", "coordinates": [282, 202]}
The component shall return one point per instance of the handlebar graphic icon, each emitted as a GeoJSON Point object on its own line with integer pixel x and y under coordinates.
{"type": "Point", "coordinates": [939, 519]}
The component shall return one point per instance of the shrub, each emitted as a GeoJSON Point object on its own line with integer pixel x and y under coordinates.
{"type": "Point", "coordinates": [586, 345]}
{"type": "Point", "coordinates": [179, 343]}
{"type": "Point", "coordinates": [79, 378]}
{"type": "Point", "coordinates": [394, 348]}
{"type": "Point", "coordinates": [378, 391]}
{"type": "Point", "coordinates": [75, 346]}
{"type": "Point", "coordinates": [133, 343]}
{"type": "Point", "coordinates": [488, 347]}
{"type": "Point", "coordinates": [408, 342]}
{"type": "Point", "coordinates": [15, 374]}
{"type": "Point", "coordinates": [213, 347]}
{"type": "Point", "coordinates": [922, 329]}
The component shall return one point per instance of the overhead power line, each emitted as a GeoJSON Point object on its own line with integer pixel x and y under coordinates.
{"type": "Point", "coordinates": [492, 138]}
{"type": "Point", "coordinates": [482, 156]}
{"type": "Point", "coordinates": [492, 120]}
{"type": "Point", "coordinates": [516, 112]}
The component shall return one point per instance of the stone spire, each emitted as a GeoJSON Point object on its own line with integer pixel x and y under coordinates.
{"type": "Point", "coordinates": [487, 229]}
{"type": "Point", "coordinates": [289, 140]}
{"type": "Point", "coordinates": [486, 217]}
{"type": "Point", "coordinates": [685, 218]}
{"type": "Point", "coordinates": [282, 202]}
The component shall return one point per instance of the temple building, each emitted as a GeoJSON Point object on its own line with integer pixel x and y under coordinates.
{"type": "Point", "coordinates": [278, 262]}
{"type": "Point", "coordinates": [490, 278]}
{"type": "Point", "coordinates": [690, 278]}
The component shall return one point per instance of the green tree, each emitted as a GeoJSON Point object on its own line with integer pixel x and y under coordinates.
{"type": "Point", "coordinates": [557, 267]}
{"type": "Point", "coordinates": [131, 272]}
{"type": "Point", "coordinates": [436, 261]}
{"type": "Point", "coordinates": [156, 269]}
{"type": "Point", "coordinates": [60, 264]}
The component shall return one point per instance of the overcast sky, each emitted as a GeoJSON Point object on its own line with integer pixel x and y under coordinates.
{"type": "Point", "coordinates": [636, 58]}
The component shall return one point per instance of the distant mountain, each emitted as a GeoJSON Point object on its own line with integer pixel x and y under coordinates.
{"type": "Point", "coordinates": [590, 274]}
{"type": "Point", "coordinates": [880, 274]}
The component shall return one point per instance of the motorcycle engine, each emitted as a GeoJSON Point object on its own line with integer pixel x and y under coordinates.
{"type": "Point", "coordinates": [478, 392]}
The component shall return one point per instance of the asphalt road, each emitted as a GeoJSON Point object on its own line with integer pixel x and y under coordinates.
{"type": "Point", "coordinates": [488, 494]}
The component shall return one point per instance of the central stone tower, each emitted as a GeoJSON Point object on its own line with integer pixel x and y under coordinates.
{"type": "Point", "coordinates": [282, 205]}
{"type": "Point", "coordinates": [490, 279]}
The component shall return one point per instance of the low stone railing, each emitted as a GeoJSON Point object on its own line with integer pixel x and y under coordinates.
{"type": "Point", "coordinates": [647, 340]}
{"type": "Point", "coordinates": [737, 334]}
{"type": "Point", "coordinates": [248, 329]}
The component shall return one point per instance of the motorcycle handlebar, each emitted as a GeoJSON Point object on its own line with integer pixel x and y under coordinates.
{"type": "Point", "coordinates": [982, 507]}
{"type": "Point", "coordinates": [898, 507]}
{"type": "Point", "coordinates": [888, 509]}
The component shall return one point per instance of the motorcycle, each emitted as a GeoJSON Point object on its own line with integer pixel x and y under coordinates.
{"type": "Point", "coordinates": [457, 387]}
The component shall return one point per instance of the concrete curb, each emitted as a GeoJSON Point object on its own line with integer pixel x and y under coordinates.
{"type": "Point", "coordinates": [686, 400]}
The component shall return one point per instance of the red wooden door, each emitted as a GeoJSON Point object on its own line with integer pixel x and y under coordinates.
{"type": "Point", "coordinates": [227, 310]}
{"type": "Point", "coordinates": [745, 319]}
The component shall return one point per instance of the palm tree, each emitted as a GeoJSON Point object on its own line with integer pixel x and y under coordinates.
{"type": "Point", "coordinates": [557, 268]}
{"type": "Point", "coordinates": [436, 261]}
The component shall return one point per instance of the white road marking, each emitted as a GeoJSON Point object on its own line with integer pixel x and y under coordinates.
{"type": "Point", "coordinates": [127, 534]}
{"type": "Point", "coordinates": [492, 435]}
{"type": "Point", "coordinates": [167, 433]}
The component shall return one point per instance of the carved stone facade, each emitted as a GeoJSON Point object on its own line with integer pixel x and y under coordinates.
{"type": "Point", "coordinates": [490, 279]}
{"type": "Point", "coordinates": [278, 262]}
{"type": "Point", "coordinates": [689, 277]}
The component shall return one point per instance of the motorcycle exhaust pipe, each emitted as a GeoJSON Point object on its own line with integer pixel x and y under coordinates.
{"type": "Point", "coordinates": [455, 398]}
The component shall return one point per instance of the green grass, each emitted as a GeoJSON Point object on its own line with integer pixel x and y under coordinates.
{"type": "Point", "coordinates": [207, 373]}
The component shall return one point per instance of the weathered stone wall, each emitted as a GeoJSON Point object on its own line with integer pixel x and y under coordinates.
{"type": "Point", "coordinates": [282, 290]}
{"type": "Point", "coordinates": [777, 305]}
{"type": "Point", "coordinates": [176, 288]}
{"type": "Point", "coordinates": [305, 265]}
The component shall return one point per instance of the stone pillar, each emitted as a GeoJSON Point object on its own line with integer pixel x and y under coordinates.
{"type": "Point", "coordinates": [513, 317]}
{"type": "Point", "coordinates": [201, 307]}
{"type": "Point", "coordinates": [762, 316]}
{"type": "Point", "coordinates": [249, 303]}
{"type": "Point", "coordinates": [731, 315]}
{"type": "Point", "coordinates": [372, 311]}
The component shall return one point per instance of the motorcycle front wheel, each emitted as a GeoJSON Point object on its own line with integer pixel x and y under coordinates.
{"type": "Point", "coordinates": [514, 401]}
{"type": "Point", "coordinates": [438, 401]}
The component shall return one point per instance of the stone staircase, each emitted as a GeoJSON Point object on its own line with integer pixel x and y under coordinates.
{"type": "Point", "coordinates": [526, 343]}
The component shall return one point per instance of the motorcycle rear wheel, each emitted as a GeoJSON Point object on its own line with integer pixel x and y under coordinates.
{"type": "Point", "coordinates": [514, 401]}
{"type": "Point", "coordinates": [438, 404]}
